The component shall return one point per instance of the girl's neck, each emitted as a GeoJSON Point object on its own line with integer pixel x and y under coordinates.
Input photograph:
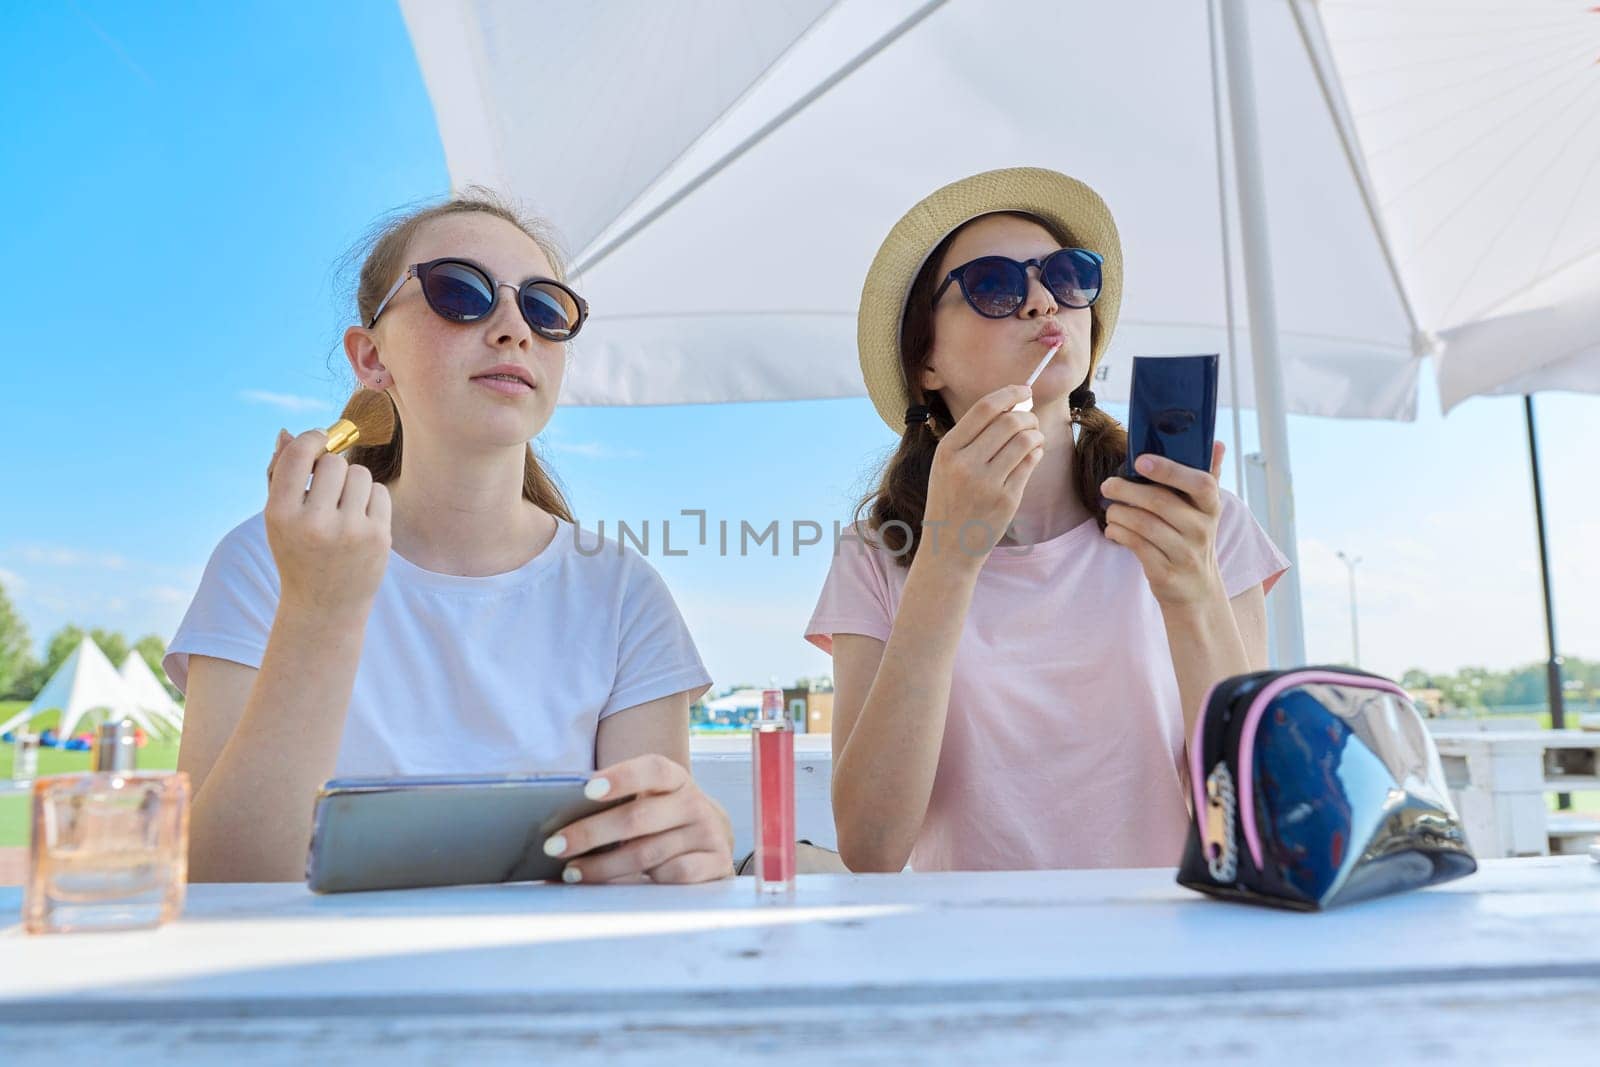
{"type": "Point", "coordinates": [465, 514]}
{"type": "Point", "coordinates": [1050, 505]}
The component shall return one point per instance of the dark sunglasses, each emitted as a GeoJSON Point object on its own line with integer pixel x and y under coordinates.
{"type": "Point", "coordinates": [462, 291]}
{"type": "Point", "coordinates": [996, 286]}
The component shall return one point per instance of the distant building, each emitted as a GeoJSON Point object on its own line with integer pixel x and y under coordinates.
{"type": "Point", "coordinates": [809, 703]}
{"type": "Point", "coordinates": [1428, 701]}
{"type": "Point", "coordinates": [810, 709]}
{"type": "Point", "coordinates": [735, 711]}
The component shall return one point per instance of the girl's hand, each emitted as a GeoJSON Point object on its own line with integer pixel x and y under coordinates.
{"type": "Point", "coordinates": [1171, 527]}
{"type": "Point", "coordinates": [331, 543]}
{"type": "Point", "coordinates": [979, 471]}
{"type": "Point", "coordinates": [667, 829]}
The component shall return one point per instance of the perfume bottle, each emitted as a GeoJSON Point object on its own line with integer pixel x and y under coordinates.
{"type": "Point", "coordinates": [110, 847]}
{"type": "Point", "coordinates": [772, 764]}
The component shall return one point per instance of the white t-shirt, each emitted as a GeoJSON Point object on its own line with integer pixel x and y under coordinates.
{"type": "Point", "coordinates": [500, 674]}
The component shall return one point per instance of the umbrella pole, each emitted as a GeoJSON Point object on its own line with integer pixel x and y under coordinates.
{"type": "Point", "coordinates": [1558, 708]}
{"type": "Point", "coordinates": [1284, 611]}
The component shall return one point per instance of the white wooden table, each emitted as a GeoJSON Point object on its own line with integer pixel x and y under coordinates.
{"type": "Point", "coordinates": [1085, 966]}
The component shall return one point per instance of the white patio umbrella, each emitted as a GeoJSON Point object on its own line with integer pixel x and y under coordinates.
{"type": "Point", "coordinates": [1479, 134]}
{"type": "Point", "coordinates": [763, 201]}
{"type": "Point", "coordinates": [733, 271]}
{"type": "Point", "coordinates": [725, 209]}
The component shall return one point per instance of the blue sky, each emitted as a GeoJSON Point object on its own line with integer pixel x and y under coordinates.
{"type": "Point", "coordinates": [181, 181]}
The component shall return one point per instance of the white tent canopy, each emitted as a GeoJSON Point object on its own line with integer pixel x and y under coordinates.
{"type": "Point", "coordinates": [84, 685]}
{"type": "Point", "coordinates": [150, 695]}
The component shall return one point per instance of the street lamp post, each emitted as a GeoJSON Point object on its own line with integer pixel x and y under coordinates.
{"type": "Point", "coordinates": [1355, 625]}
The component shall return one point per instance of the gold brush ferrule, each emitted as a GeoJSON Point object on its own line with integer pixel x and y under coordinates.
{"type": "Point", "coordinates": [341, 435]}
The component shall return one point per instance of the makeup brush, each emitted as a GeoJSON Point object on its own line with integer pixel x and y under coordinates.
{"type": "Point", "coordinates": [367, 419]}
{"type": "Point", "coordinates": [1027, 405]}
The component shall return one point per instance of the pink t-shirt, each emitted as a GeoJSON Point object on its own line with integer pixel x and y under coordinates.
{"type": "Point", "coordinates": [1065, 732]}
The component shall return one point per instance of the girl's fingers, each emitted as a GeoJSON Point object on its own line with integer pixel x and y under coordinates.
{"type": "Point", "coordinates": [640, 817]}
{"type": "Point", "coordinates": [378, 505]}
{"type": "Point", "coordinates": [1150, 558]}
{"type": "Point", "coordinates": [1175, 509]}
{"type": "Point", "coordinates": [635, 857]}
{"type": "Point", "coordinates": [327, 482]}
{"type": "Point", "coordinates": [283, 439]}
{"type": "Point", "coordinates": [1025, 466]}
{"type": "Point", "coordinates": [1001, 432]}
{"type": "Point", "coordinates": [1199, 486]}
{"type": "Point", "coordinates": [357, 490]}
{"type": "Point", "coordinates": [650, 773]}
{"type": "Point", "coordinates": [293, 468]}
{"type": "Point", "coordinates": [980, 415]}
{"type": "Point", "coordinates": [692, 867]}
{"type": "Point", "coordinates": [1148, 528]}
{"type": "Point", "coordinates": [1016, 450]}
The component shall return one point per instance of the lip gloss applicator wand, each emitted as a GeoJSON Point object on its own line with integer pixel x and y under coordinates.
{"type": "Point", "coordinates": [1027, 405]}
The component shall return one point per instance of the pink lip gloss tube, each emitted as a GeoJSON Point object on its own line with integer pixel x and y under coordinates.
{"type": "Point", "coordinates": [772, 766]}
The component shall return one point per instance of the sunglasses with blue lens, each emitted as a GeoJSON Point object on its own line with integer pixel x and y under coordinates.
{"type": "Point", "coordinates": [996, 286]}
{"type": "Point", "coordinates": [461, 291]}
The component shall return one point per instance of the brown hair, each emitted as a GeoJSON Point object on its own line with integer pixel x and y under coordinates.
{"type": "Point", "coordinates": [384, 260]}
{"type": "Point", "coordinates": [901, 498]}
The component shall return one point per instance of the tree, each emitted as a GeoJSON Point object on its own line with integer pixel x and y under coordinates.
{"type": "Point", "coordinates": [65, 641]}
{"type": "Point", "coordinates": [17, 665]}
{"type": "Point", "coordinates": [1417, 679]}
{"type": "Point", "coordinates": [113, 644]}
{"type": "Point", "coordinates": [62, 644]}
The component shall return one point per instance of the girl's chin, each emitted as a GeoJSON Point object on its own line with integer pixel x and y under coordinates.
{"type": "Point", "coordinates": [498, 429]}
{"type": "Point", "coordinates": [1050, 402]}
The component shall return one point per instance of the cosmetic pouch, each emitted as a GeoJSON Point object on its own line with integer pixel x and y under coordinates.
{"type": "Point", "coordinates": [1317, 787]}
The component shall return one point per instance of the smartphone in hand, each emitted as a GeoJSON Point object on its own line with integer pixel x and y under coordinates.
{"type": "Point", "coordinates": [1172, 411]}
{"type": "Point", "coordinates": [435, 830]}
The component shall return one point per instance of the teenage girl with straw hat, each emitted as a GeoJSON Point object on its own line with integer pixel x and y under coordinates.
{"type": "Point", "coordinates": [1020, 637]}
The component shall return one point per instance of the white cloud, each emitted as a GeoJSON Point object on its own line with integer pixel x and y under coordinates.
{"type": "Point", "coordinates": [593, 450]}
{"type": "Point", "coordinates": [62, 556]}
{"type": "Point", "coordinates": [12, 580]}
{"type": "Point", "coordinates": [286, 401]}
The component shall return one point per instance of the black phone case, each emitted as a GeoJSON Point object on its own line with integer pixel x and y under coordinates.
{"type": "Point", "coordinates": [1172, 411]}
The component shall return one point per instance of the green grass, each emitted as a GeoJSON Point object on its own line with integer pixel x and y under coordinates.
{"type": "Point", "coordinates": [156, 756]}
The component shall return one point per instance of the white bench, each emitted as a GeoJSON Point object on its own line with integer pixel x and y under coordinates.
{"type": "Point", "coordinates": [1500, 781]}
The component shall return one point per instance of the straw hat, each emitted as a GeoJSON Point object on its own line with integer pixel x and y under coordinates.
{"type": "Point", "coordinates": [1067, 206]}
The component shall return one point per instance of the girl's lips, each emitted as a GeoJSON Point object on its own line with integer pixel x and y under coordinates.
{"type": "Point", "coordinates": [1051, 340]}
{"type": "Point", "coordinates": [505, 387]}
